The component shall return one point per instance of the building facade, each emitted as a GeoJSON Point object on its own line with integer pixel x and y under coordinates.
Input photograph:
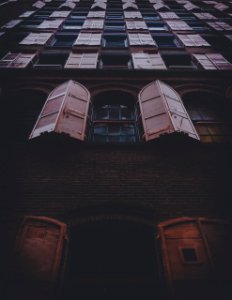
{"type": "Point", "coordinates": [116, 149]}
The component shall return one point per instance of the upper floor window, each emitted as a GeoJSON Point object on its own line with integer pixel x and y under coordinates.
{"type": "Point", "coordinates": [113, 118]}
{"type": "Point", "coordinates": [178, 61]}
{"type": "Point", "coordinates": [115, 60]}
{"type": "Point", "coordinates": [166, 40]}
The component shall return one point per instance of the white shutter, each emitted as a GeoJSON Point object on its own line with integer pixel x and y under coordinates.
{"type": "Point", "coordinates": [220, 26]}
{"type": "Point", "coordinates": [169, 15]}
{"type": "Point", "coordinates": [163, 112]}
{"type": "Point", "coordinates": [178, 25]}
{"type": "Point", "coordinates": [219, 61]}
{"type": "Point", "coordinates": [90, 39]}
{"type": "Point", "coordinates": [93, 24]}
{"type": "Point", "coordinates": [160, 6]}
{"type": "Point", "coordinates": [100, 5]}
{"type": "Point", "coordinates": [205, 16]}
{"type": "Point", "coordinates": [136, 25]}
{"type": "Point", "coordinates": [53, 24]}
{"type": "Point", "coordinates": [133, 15]}
{"type": "Point", "coordinates": [192, 40]}
{"type": "Point", "coordinates": [96, 14]}
{"type": "Point", "coordinates": [148, 61]}
{"type": "Point", "coordinates": [22, 60]}
{"type": "Point", "coordinates": [7, 60]}
{"type": "Point", "coordinates": [82, 61]}
{"type": "Point", "coordinates": [210, 2]}
{"type": "Point", "coordinates": [221, 6]}
{"type": "Point", "coordinates": [26, 14]}
{"type": "Point", "coordinates": [68, 5]}
{"type": "Point", "coordinates": [189, 6]}
{"type": "Point", "coordinates": [141, 39]}
{"type": "Point", "coordinates": [60, 14]}
{"type": "Point", "coordinates": [204, 62]}
{"type": "Point", "coordinates": [65, 111]}
{"type": "Point", "coordinates": [129, 5]}
{"type": "Point", "coordinates": [11, 24]}
{"type": "Point", "coordinates": [39, 4]}
{"type": "Point", "coordinates": [36, 39]}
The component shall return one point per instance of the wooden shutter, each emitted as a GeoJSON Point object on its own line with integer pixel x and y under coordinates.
{"type": "Point", "coordinates": [192, 40]}
{"type": "Point", "coordinates": [90, 39]}
{"type": "Point", "coordinates": [205, 16]}
{"type": "Point", "coordinates": [26, 14]}
{"type": "Point", "coordinates": [204, 62]}
{"type": "Point", "coordinates": [130, 5]}
{"type": "Point", "coordinates": [39, 4]}
{"type": "Point", "coordinates": [136, 25]}
{"type": "Point", "coordinates": [93, 24]}
{"type": "Point", "coordinates": [148, 61]}
{"type": "Point", "coordinates": [221, 6]}
{"type": "Point", "coordinates": [68, 5]}
{"type": "Point", "coordinates": [160, 6]}
{"type": "Point", "coordinates": [169, 15]}
{"type": "Point", "coordinates": [60, 14]}
{"type": "Point", "coordinates": [11, 24]}
{"type": "Point", "coordinates": [7, 60]}
{"type": "Point", "coordinates": [220, 26]}
{"type": "Point", "coordinates": [162, 111]}
{"type": "Point", "coordinates": [36, 39]}
{"type": "Point", "coordinates": [53, 24]}
{"type": "Point", "coordinates": [133, 15]}
{"type": "Point", "coordinates": [65, 111]}
{"type": "Point", "coordinates": [82, 61]}
{"type": "Point", "coordinates": [40, 247]}
{"type": "Point", "coordinates": [178, 25]}
{"type": "Point", "coordinates": [141, 39]}
{"type": "Point", "coordinates": [100, 5]}
{"type": "Point", "coordinates": [189, 6]}
{"type": "Point", "coordinates": [219, 61]}
{"type": "Point", "coordinates": [96, 14]}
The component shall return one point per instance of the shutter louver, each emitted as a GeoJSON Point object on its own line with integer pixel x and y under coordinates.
{"type": "Point", "coordinates": [53, 24]}
{"type": "Point", "coordinates": [204, 62]}
{"type": "Point", "coordinates": [93, 24]}
{"type": "Point", "coordinates": [91, 39]}
{"type": "Point", "coordinates": [136, 25]}
{"type": "Point", "coordinates": [163, 112]}
{"type": "Point", "coordinates": [40, 247]}
{"type": "Point", "coordinates": [11, 24]}
{"type": "Point", "coordinates": [192, 40]}
{"type": "Point", "coordinates": [141, 39]}
{"type": "Point", "coordinates": [169, 16]}
{"type": "Point", "coordinates": [82, 61]}
{"type": "Point", "coordinates": [178, 25]}
{"type": "Point", "coordinates": [36, 39]}
{"type": "Point", "coordinates": [96, 14]}
{"type": "Point", "coordinates": [65, 111]}
{"type": "Point", "coordinates": [148, 61]}
{"type": "Point", "coordinates": [60, 14]}
{"type": "Point", "coordinates": [39, 4]}
{"type": "Point", "coordinates": [133, 15]}
{"type": "Point", "coordinates": [219, 61]}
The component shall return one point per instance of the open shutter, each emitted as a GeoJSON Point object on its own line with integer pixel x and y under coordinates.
{"type": "Point", "coordinates": [16, 60]}
{"type": "Point", "coordinates": [65, 111]}
{"type": "Point", "coordinates": [160, 6]}
{"type": "Point", "coordinates": [60, 14]}
{"type": "Point", "coordinates": [82, 61]}
{"type": "Point", "coordinates": [205, 16]}
{"type": "Point", "coordinates": [7, 60]}
{"type": "Point", "coordinates": [141, 39]}
{"type": "Point", "coordinates": [100, 5]}
{"type": "Point", "coordinates": [148, 61]}
{"type": "Point", "coordinates": [133, 15]}
{"type": "Point", "coordinates": [96, 14]}
{"type": "Point", "coordinates": [53, 24]}
{"type": "Point", "coordinates": [129, 5]}
{"type": "Point", "coordinates": [39, 4]}
{"type": "Point", "coordinates": [189, 6]}
{"type": "Point", "coordinates": [221, 6]}
{"type": "Point", "coordinates": [136, 25]}
{"type": "Point", "coordinates": [162, 111]}
{"type": "Point", "coordinates": [90, 39]}
{"type": "Point", "coordinates": [169, 16]}
{"type": "Point", "coordinates": [68, 5]}
{"type": "Point", "coordinates": [11, 24]}
{"type": "Point", "coordinates": [93, 24]}
{"type": "Point", "coordinates": [220, 26]}
{"type": "Point", "coordinates": [26, 14]}
{"type": "Point", "coordinates": [193, 40]}
{"type": "Point", "coordinates": [36, 39]}
{"type": "Point", "coordinates": [178, 25]}
{"type": "Point", "coordinates": [204, 62]}
{"type": "Point", "coordinates": [219, 61]}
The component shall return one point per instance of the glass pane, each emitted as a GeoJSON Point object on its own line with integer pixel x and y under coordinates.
{"type": "Point", "coordinates": [128, 129]}
{"type": "Point", "coordinates": [114, 130]}
{"type": "Point", "coordinates": [126, 113]}
{"type": "Point", "coordinates": [102, 113]}
{"type": "Point", "coordinates": [100, 129]}
{"type": "Point", "coordinates": [114, 112]}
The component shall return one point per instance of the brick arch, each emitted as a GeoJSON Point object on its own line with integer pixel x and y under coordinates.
{"type": "Point", "coordinates": [41, 87]}
{"type": "Point", "coordinates": [197, 88]}
{"type": "Point", "coordinates": [130, 89]}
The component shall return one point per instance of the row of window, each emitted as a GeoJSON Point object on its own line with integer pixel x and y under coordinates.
{"type": "Point", "coordinates": [117, 60]}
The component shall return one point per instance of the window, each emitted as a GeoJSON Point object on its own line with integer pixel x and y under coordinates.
{"type": "Point", "coordinates": [115, 60]}
{"type": "Point", "coordinates": [72, 24]}
{"type": "Point", "coordinates": [178, 61]}
{"type": "Point", "coordinates": [156, 26]}
{"type": "Point", "coordinates": [210, 116]}
{"type": "Point", "coordinates": [49, 59]}
{"type": "Point", "coordinates": [114, 15]}
{"type": "Point", "coordinates": [198, 26]}
{"type": "Point", "coordinates": [113, 118]}
{"type": "Point", "coordinates": [63, 40]}
{"type": "Point", "coordinates": [166, 41]}
{"type": "Point", "coordinates": [186, 16]}
{"type": "Point", "coordinates": [112, 41]}
{"type": "Point", "coordinates": [114, 26]}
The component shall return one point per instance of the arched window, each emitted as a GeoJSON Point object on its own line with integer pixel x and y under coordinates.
{"type": "Point", "coordinates": [113, 118]}
{"type": "Point", "coordinates": [209, 115]}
